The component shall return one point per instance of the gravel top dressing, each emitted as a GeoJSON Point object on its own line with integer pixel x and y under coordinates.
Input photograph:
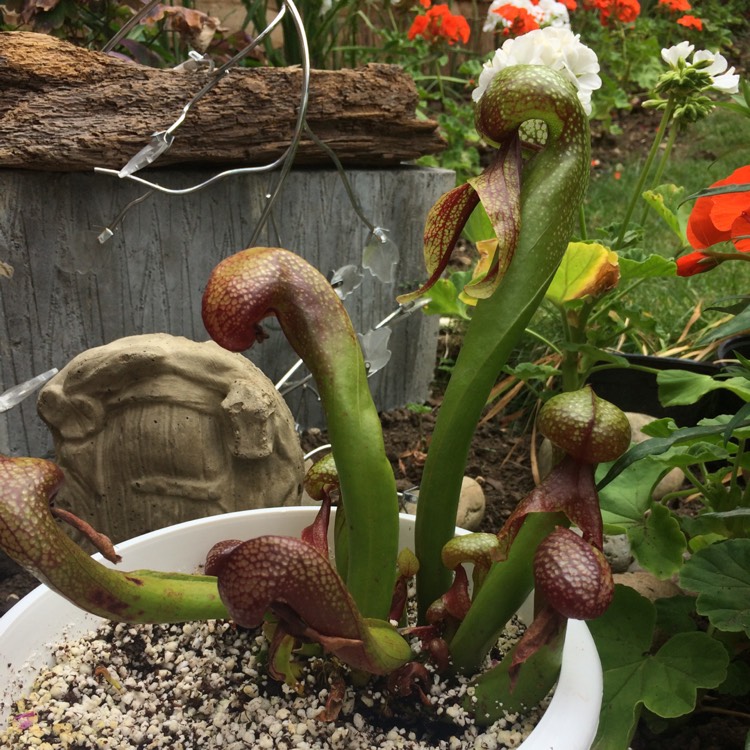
{"type": "Point", "coordinates": [204, 685]}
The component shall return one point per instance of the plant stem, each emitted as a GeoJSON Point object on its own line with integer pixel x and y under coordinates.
{"type": "Point", "coordinates": [671, 139]}
{"type": "Point", "coordinates": [582, 222]}
{"type": "Point", "coordinates": [575, 334]}
{"type": "Point", "coordinates": [693, 478]}
{"type": "Point", "coordinates": [737, 464]}
{"type": "Point", "coordinates": [439, 80]}
{"type": "Point", "coordinates": [542, 339]}
{"type": "Point", "coordinates": [665, 118]}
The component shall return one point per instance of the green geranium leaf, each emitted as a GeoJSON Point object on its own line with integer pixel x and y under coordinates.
{"type": "Point", "coordinates": [652, 267]}
{"type": "Point", "coordinates": [528, 371]}
{"type": "Point", "coordinates": [690, 455]}
{"type": "Point", "coordinates": [686, 662]}
{"type": "Point", "coordinates": [595, 354]}
{"type": "Point", "coordinates": [655, 536]}
{"type": "Point", "coordinates": [626, 499]}
{"type": "Point", "coordinates": [720, 575]}
{"type": "Point", "coordinates": [658, 544]}
{"type": "Point", "coordinates": [663, 428]}
{"type": "Point", "coordinates": [665, 682]}
{"type": "Point", "coordinates": [738, 679]}
{"type": "Point", "coordinates": [708, 528]}
{"type": "Point", "coordinates": [623, 634]}
{"type": "Point", "coordinates": [674, 614]}
{"type": "Point", "coordinates": [705, 539]}
{"type": "Point", "coordinates": [680, 387]}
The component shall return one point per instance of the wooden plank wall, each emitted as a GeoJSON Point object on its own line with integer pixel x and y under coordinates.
{"type": "Point", "coordinates": [70, 293]}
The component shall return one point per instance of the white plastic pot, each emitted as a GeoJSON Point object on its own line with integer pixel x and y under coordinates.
{"type": "Point", "coordinates": [43, 618]}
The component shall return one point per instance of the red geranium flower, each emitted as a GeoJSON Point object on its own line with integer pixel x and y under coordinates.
{"type": "Point", "coordinates": [624, 10]}
{"type": "Point", "coordinates": [717, 218]}
{"type": "Point", "coordinates": [440, 23]}
{"type": "Point", "coordinates": [520, 20]}
{"type": "Point", "coordinates": [691, 22]}
{"type": "Point", "coordinates": [676, 5]}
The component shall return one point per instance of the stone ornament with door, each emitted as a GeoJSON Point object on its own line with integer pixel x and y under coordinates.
{"type": "Point", "coordinates": [156, 427]}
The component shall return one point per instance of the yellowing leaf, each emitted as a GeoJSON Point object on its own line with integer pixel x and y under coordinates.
{"type": "Point", "coordinates": [468, 299]}
{"type": "Point", "coordinates": [588, 269]}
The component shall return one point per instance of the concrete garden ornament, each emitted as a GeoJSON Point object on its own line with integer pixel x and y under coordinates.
{"type": "Point", "coordinates": [214, 435]}
{"type": "Point", "coordinates": [345, 616]}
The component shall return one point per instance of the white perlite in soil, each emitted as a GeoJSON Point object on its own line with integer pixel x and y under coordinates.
{"type": "Point", "coordinates": [201, 685]}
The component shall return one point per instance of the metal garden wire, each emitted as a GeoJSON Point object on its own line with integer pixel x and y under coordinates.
{"type": "Point", "coordinates": [161, 142]}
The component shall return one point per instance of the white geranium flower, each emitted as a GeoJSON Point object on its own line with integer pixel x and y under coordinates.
{"type": "Point", "coordinates": [554, 14]}
{"type": "Point", "coordinates": [722, 79]}
{"type": "Point", "coordinates": [556, 48]}
{"type": "Point", "coordinates": [673, 55]}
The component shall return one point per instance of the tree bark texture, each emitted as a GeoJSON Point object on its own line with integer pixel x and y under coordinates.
{"type": "Point", "coordinates": [70, 109]}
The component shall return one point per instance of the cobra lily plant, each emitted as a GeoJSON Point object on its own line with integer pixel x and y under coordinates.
{"type": "Point", "coordinates": [352, 606]}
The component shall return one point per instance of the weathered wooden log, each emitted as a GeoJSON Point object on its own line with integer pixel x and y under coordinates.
{"type": "Point", "coordinates": [70, 109]}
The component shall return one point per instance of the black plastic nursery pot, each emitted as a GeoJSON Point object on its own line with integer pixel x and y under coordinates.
{"type": "Point", "coordinates": [728, 349]}
{"type": "Point", "coordinates": [635, 390]}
